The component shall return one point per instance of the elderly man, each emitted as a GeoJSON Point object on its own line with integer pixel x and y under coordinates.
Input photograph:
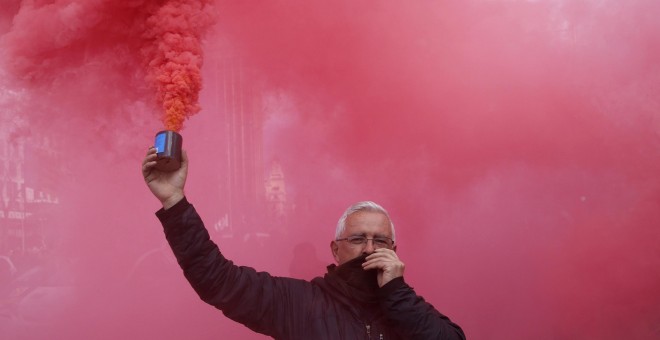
{"type": "Point", "coordinates": [364, 296]}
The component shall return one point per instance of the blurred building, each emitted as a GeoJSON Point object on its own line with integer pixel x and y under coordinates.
{"type": "Point", "coordinates": [27, 193]}
{"type": "Point", "coordinates": [253, 197]}
{"type": "Point", "coordinates": [241, 165]}
{"type": "Point", "coordinates": [278, 207]}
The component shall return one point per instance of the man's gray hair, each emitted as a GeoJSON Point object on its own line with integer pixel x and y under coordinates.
{"type": "Point", "coordinates": [362, 206]}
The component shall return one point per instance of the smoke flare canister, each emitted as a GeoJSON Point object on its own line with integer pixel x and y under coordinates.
{"type": "Point", "coordinates": [168, 149]}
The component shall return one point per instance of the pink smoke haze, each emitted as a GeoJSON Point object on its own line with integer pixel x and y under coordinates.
{"type": "Point", "coordinates": [516, 145]}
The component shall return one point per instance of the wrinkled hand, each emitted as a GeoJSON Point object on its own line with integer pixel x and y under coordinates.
{"type": "Point", "coordinates": [387, 263]}
{"type": "Point", "coordinates": [166, 186]}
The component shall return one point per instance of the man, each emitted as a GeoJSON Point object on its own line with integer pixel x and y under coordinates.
{"type": "Point", "coordinates": [363, 297]}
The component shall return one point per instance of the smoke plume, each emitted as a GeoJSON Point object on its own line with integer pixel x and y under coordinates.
{"type": "Point", "coordinates": [53, 46]}
{"type": "Point", "coordinates": [173, 57]}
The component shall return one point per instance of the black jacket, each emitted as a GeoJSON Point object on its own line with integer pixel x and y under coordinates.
{"type": "Point", "coordinates": [287, 308]}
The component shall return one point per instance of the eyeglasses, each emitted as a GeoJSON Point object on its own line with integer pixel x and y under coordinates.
{"type": "Point", "coordinates": [378, 242]}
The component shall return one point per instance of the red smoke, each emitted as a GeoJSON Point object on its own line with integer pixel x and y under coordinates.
{"type": "Point", "coordinates": [173, 57]}
{"type": "Point", "coordinates": [58, 42]}
{"type": "Point", "coordinates": [516, 145]}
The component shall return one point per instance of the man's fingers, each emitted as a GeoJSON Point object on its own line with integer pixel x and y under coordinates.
{"type": "Point", "coordinates": [381, 259]}
{"type": "Point", "coordinates": [147, 166]}
{"type": "Point", "coordinates": [383, 265]}
{"type": "Point", "coordinates": [378, 262]}
{"type": "Point", "coordinates": [150, 156]}
{"type": "Point", "coordinates": [383, 253]}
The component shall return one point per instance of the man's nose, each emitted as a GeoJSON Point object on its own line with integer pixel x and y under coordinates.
{"type": "Point", "coordinates": [369, 248]}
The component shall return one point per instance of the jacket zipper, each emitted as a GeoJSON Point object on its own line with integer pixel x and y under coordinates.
{"type": "Point", "coordinates": [380, 337]}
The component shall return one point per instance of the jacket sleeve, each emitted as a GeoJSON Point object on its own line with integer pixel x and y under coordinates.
{"type": "Point", "coordinates": [264, 303]}
{"type": "Point", "coordinates": [414, 318]}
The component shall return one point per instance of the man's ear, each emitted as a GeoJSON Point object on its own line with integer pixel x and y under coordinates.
{"type": "Point", "coordinates": [334, 247]}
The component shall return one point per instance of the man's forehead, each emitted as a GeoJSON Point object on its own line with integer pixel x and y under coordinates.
{"type": "Point", "coordinates": [367, 219]}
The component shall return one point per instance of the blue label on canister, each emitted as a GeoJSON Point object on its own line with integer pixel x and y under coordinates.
{"type": "Point", "coordinates": [160, 142]}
